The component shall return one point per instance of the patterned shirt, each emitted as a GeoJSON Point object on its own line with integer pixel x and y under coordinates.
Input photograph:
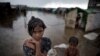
{"type": "Point", "coordinates": [45, 47]}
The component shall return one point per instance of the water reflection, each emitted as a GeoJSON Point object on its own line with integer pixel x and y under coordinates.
{"type": "Point", "coordinates": [6, 20]}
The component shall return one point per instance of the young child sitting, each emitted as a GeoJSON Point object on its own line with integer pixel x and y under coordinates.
{"type": "Point", "coordinates": [72, 50]}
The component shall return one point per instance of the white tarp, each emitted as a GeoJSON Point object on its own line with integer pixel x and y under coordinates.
{"type": "Point", "coordinates": [91, 36]}
{"type": "Point", "coordinates": [53, 51]}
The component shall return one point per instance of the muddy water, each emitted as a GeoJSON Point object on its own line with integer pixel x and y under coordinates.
{"type": "Point", "coordinates": [12, 38]}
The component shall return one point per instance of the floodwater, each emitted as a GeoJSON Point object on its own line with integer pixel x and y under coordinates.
{"type": "Point", "coordinates": [12, 38]}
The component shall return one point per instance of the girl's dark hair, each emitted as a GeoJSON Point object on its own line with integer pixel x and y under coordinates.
{"type": "Point", "coordinates": [73, 40]}
{"type": "Point", "coordinates": [33, 23]}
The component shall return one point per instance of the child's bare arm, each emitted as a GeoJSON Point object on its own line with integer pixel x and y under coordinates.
{"type": "Point", "coordinates": [66, 52]}
{"type": "Point", "coordinates": [78, 53]}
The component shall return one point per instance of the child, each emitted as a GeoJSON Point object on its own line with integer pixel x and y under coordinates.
{"type": "Point", "coordinates": [37, 45]}
{"type": "Point", "coordinates": [72, 49]}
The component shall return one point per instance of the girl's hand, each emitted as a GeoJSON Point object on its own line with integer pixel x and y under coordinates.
{"type": "Point", "coordinates": [35, 42]}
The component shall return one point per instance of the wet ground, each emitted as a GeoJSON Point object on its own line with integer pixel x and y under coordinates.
{"type": "Point", "coordinates": [11, 39]}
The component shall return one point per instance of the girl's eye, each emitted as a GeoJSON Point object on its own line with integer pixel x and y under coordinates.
{"type": "Point", "coordinates": [40, 31]}
{"type": "Point", "coordinates": [34, 32]}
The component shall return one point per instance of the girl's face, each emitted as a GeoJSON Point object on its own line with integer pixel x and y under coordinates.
{"type": "Point", "coordinates": [38, 33]}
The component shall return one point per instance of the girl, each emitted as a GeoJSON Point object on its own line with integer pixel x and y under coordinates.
{"type": "Point", "coordinates": [37, 45]}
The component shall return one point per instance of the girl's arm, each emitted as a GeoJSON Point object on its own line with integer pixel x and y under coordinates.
{"type": "Point", "coordinates": [38, 50]}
